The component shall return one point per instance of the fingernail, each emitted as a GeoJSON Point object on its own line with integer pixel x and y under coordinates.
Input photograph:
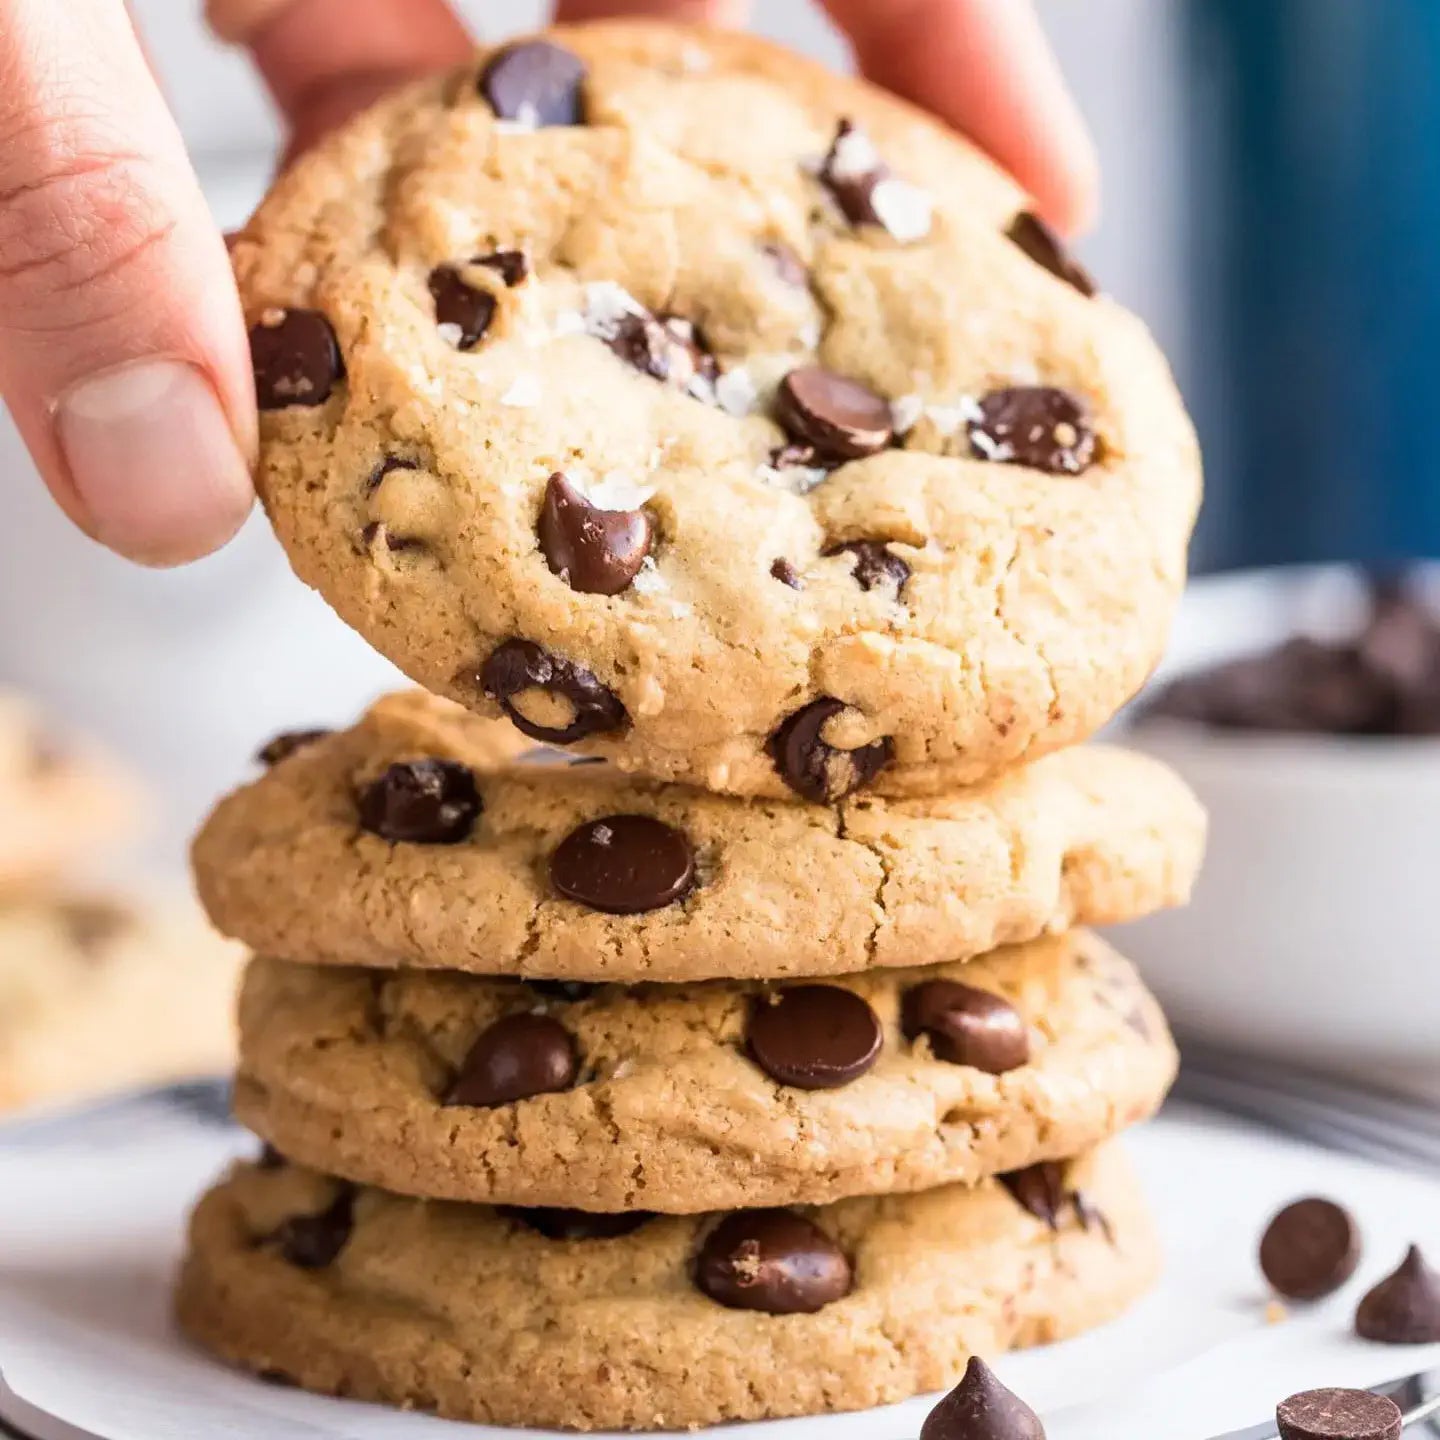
{"type": "Point", "coordinates": [154, 461]}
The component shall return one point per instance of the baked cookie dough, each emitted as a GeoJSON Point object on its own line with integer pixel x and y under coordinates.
{"type": "Point", "coordinates": [704, 409]}
{"type": "Point", "coordinates": [702, 1097]}
{"type": "Point", "coordinates": [401, 843]}
{"type": "Point", "coordinates": [549, 1318]}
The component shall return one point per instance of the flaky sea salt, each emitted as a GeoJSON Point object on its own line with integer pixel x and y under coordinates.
{"type": "Point", "coordinates": [797, 479]}
{"type": "Point", "coordinates": [606, 306]}
{"type": "Point", "coordinates": [735, 392]}
{"type": "Point", "coordinates": [905, 412]}
{"type": "Point", "coordinates": [450, 333]}
{"type": "Point", "coordinates": [614, 490]}
{"type": "Point", "coordinates": [902, 208]}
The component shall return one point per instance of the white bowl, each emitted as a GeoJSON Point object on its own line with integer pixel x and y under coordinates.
{"type": "Point", "coordinates": [1312, 937]}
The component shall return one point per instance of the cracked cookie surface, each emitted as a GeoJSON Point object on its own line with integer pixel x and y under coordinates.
{"type": "Point", "coordinates": [577, 871]}
{"type": "Point", "coordinates": [701, 388]}
{"type": "Point", "coordinates": [669, 1104]}
{"type": "Point", "coordinates": [482, 1315]}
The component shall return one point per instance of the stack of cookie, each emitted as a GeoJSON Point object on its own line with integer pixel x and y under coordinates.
{"type": "Point", "coordinates": [698, 411]}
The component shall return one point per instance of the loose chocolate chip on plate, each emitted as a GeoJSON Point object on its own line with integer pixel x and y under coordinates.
{"type": "Point", "coordinates": [1040, 1189]}
{"type": "Point", "coordinates": [967, 1026]}
{"type": "Point", "coordinates": [425, 802]}
{"type": "Point", "coordinates": [773, 1261]}
{"type": "Point", "coordinates": [1044, 247]}
{"type": "Point", "coordinates": [623, 865]}
{"type": "Point", "coordinates": [814, 1037]}
{"type": "Point", "coordinates": [516, 1057]}
{"type": "Point", "coordinates": [466, 310]}
{"type": "Point", "coordinates": [876, 565]}
{"type": "Point", "coordinates": [783, 571]}
{"type": "Point", "coordinates": [595, 551]}
{"type": "Point", "coordinates": [1310, 1249]}
{"type": "Point", "coordinates": [520, 665]}
{"type": "Point", "coordinates": [569, 991]}
{"type": "Point", "coordinates": [285, 744]}
{"type": "Point", "coordinates": [1404, 1308]}
{"type": "Point", "coordinates": [534, 83]}
{"type": "Point", "coordinates": [817, 770]}
{"type": "Point", "coordinates": [296, 358]}
{"type": "Point", "coordinates": [312, 1242]}
{"type": "Point", "coordinates": [556, 1223]}
{"type": "Point", "coordinates": [841, 418]}
{"type": "Point", "coordinates": [512, 266]}
{"type": "Point", "coordinates": [1035, 425]}
{"type": "Point", "coordinates": [981, 1408]}
{"type": "Point", "coordinates": [1338, 1415]}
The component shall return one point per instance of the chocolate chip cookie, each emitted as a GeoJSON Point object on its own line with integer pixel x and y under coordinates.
{"type": "Point", "coordinates": [560, 1319]}
{"type": "Point", "coordinates": [401, 842]}
{"type": "Point", "coordinates": [697, 407]}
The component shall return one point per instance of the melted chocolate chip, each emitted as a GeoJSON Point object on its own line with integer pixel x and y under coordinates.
{"type": "Point", "coordinates": [296, 359]}
{"type": "Point", "coordinates": [520, 665]}
{"type": "Point", "coordinates": [665, 347]}
{"type": "Point", "coordinates": [1310, 1249]}
{"type": "Point", "coordinates": [597, 552]}
{"type": "Point", "coordinates": [1041, 1190]}
{"type": "Point", "coordinates": [876, 566]}
{"type": "Point", "coordinates": [312, 1242]}
{"type": "Point", "coordinates": [555, 1223]}
{"type": "Point", "coordinates": [512, 266]}
{"type": "Point", "coordinates": [425, 802]}
{"type": "Point", "coordinates": [468, 310]}
{"type": "Point", "coordinates": [981, 1408]}
{"type": "Point", "coordinates": [569, 991]}
{"type": "Point", "coordinates": [814, 1037]}
{"type": "Point", "coordinates": [867, 191]}
{"type": "Point", "coordinates": [386, 466]}
{"type": "Point", "coordinates": [624, 865]}
{"type": "Point", "coordinates": [783, 571]}
{"type": "Point", "coordinates": [1404, 1308]}
{"type": "Point", "coordinates": [285, 744]}
{"type": "Point", "coordinates": [841, 418]}
{"type": "Point", "coordinates": [819, 771]}
{"type": "Point", "coordinates": [967, 1026]}
{"type": "Point", "coordinates": [1034, 425]}
{"type": "Point", "coordinates": [1044, 247]}
{"type": "Point", "coordinates": [1332, 1414]}
{"type": "Point", "coordinates": [773, 1261]}
{"type": "Point", "coordinates": [534, 83]}
{"type": "Point", "coordinates": [515, 1058]}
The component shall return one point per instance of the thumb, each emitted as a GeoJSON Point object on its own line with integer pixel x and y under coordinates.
{"type": "Point", "coordinates": [123, 353]}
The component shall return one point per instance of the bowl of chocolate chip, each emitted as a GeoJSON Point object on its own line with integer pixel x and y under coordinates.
{"type": "Point", "coordinates": [1303, 705]}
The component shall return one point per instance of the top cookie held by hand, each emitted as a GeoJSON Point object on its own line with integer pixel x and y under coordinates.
{"type": "Point", "coordinates": [702, 409]}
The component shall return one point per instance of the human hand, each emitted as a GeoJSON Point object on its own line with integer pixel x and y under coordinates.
{"type": "Point", "coordinates": [123, 352]}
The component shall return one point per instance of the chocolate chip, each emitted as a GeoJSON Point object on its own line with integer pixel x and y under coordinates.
{"type": "Point", "coordinates": [515, 1058]}
{"type": "Point", "coordinates": [555, 1223]}
{"type": "Point", "coordinates": [623, 865]}
{"type": "Point", "coordinates": [867, 190]}
{"type": "Point", "coordinates": [270, 1158]}
{"type": "Point", "coordinates": [312, 1242]}
{"type": "Point", "coordinates": [1404, 1308]}
{"type": "Point", "coordinates": [786, 263]}
{"type": "Point", "coordinates": [876, 566]}
{"type": "Point", "coordinates": [981, 1408]}
{"type": "Point", "coordinates": [1044, 247]}
{"type": "Point", "coordinates": [467, 310]}
{"type": "Point", "coordinates": [425, 802]}
{"type": "Point", "coordinates": [665, 347]}
{"type": "Point", "coordinates": [841, 418]}
{"type": "Point", "coordinates": [567, 990]}
{"type": "Point", "coordinates": [786, 574]}
{"type": "Point", "coordinates": [1041, 1190]}
{"type": "Point", "coordinates": [296, 358]}
{"type": "Point", "coordinates": [817, 770]}
{"type": "Point", "coordinates": [285, 744]}
{"type": "Point", "coordinates": [1338, 1415]}
{"type": "Point", "coordinates": [512, 266]}
{"type": "Point", "coordinates": [1034, 425]}
{"type": "Point", "coordinates": [595, 551]}
{"type": "Point", "coordinates": [814, 1037]}
{"type": "Point", "coordinates": [386, 466]}
{"type": "Point", "coordinates": [520, 665]}
{"type": "Point", "coordinates": [796, 457]}
{"type": "Point", "coordinates": [534, 83]}
{"type": "Point", "coordinates": [773, 1261]}
{"type": "Point", "coordinates": [966, 1026]}
{"type": "Point", "coordinates": [1310, 1249]}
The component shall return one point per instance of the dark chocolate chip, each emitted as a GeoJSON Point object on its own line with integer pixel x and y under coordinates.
{"type": "Point", "coordinates": [967, 1026]}
{"type": "Point", "coordinates": [270, 1158]}
{"type": "Point", "coordinates": [1338, 1415]}
{"type": "Point", "coordinates": [520, 665]}
{"type": "Point", "coordinates": [867, 191]}
{"type": "Point", "coordinates": [285, 744]}
{"type": "Point", "coordinates": [1310, 1249]}
{"type": "Point", "coordinates": [555, 1223]}
{"type": "Point", "coordinates": [1404, 1308]}
{"type": "Point", "coordinates": [774, 1261]}
{"type": "Point", "coordinates": [1044, 247]}
{"type": "Point", "coordinates": [312, 1242]}
{"type": "Point", "coordinates": [814, 1037]}
{"type": "Point", "coordinates": [981, 1408]}
{"type": "Point", "coordinates": [425, 802]}
{"type": "Point", "coordinates": [783, 571]}
{"type": "Point", "coordinates": [597, 552]}
{"type": "Point", "coordinates": [516, 1057]}
{"type": "Point", "coordinates": [841, 418]}
{"type": "Point", "coordinates": [623, 865]}
{"type": "Point", "coordinates": [786, 263]}
{"type": "Point", "coordinates": [536, 83]}
{"type": "Point", "coordinates": [819, 771]}
{"type": "Point", "coordinates": [1035, 425]}
{"type": "Point", "coordinates": [296, 358]}
{"type": "Point", "coordinates": [513, 266]}
{"type": "Point", "coordinates": [385, 467]}
{"type": "Point", "coordinates": [665, 347]}
{"type": "Point", "coordinates": [876, 565]}
{"type": "Point", "coordinates": [1041, 1190]}
{"type": "Point", "coordinates": [469, 310]}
